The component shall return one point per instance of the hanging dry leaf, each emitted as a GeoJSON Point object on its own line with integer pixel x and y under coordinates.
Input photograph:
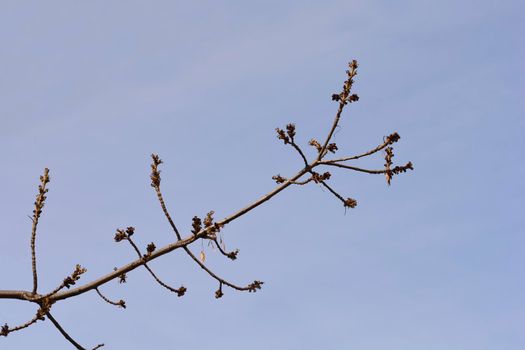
{"type": "Point", "coordinates": [202, 256]}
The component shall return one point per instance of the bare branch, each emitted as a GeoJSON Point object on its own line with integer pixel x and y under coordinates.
{"type": "Point", "coordinates": [201, 229]}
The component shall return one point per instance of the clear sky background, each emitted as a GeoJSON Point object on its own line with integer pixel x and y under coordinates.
{"type": "Point", "coordinates": [433, 262]}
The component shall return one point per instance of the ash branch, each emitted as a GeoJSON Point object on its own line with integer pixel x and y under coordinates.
{"type": "Point", "coordinates": [206, 229]}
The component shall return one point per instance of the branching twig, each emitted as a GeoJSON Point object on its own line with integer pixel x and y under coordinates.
{"type": "Point", "coordinates": [209, 228]}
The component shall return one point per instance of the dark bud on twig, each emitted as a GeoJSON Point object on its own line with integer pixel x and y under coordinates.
{"type": "Point", "coordinates": [398, 170]}
{"type": "Point", "coordinates": [313, 142]}
{"type": "Point", "coordinates": [281, 135]}
{"type": "Point", "coordinates": [122, 303]}
{"type": "Point", "coordinates": [336, 97]}
{"type": "Point", "coordinates": [392, 138]}
{"type": "Point", "coordinates": [211, 227]}
{"type": "Point", "coordinates": [278, 179]}
{"type": "Point", "coordinates": [218, 292]}
{"type": "Point", "coordinates": [181, 291]}
{"type": "Point", "coordinates": [4, 331]}
{"type": "Point", "coordinates": [121, 278]}
{"type": "Point", "coordinates": [75, 276]}
{"type": "Point", "coordinates": [130, 231]}
{"type": "Point", "coordinates": [402, 169]}
{"type": "Point", "coordinates": [120, 235]}
{"type": "Point", "coordinates": [208, 220]}
{"type": "Point", "coordinates": [318, 177]}
{"type": "Point", "coordinates": [233, 255]}
{"type": "Point", "coordinates": [150, 249]}
{"type": "Point", "coordinates": [332, 147]}
{"type": "Point", "coordinates": [353, 98]}
{"type": "Point", "coordinates": [155, 172]}
{"type": "Point", "coordinates": [254, 286]}
{"type": "Point", "coordinates": [350, 203]}
{"type": "Point", "coordinates": [388, 162]}
{"type": "Point", "coordinates": [196, 224]}
{"type": "Point", "coordinates": [41, 196]}
{"type": "Point", "coordinates": [290, 130]}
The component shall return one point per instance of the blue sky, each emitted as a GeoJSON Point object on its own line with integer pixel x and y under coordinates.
{"type": "Point", "coordinates": [433, 262]}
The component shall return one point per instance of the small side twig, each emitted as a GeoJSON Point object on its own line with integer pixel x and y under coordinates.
{"type": "Point", "coordinates": [179, 291]}
{"type": "Point", "coordinates": [388, 140]}
{"type": "Point", "coordinates": [39, 205]}
{"type": "Point", "coordinates": [66, 283]}
{"type": "Point", "coordinates": [5, 329]}
{"type": "Point", "coordinates": [155, 183]}
{"type": "Point", "coordinates": [348, 202]}
{"type": "Point", "coordinates": [230, 255]}
{"type": "Point", "coordinates": [121, 303]}
{"type": "Point", "coordinates": [66, 335]}
{"type": "Point", "coordinates": [343, 98]}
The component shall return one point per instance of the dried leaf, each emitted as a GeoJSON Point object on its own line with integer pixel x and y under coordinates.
{"type": "Point", "coordinates": [202, 256]}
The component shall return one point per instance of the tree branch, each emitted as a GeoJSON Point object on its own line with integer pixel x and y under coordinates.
{"type": "Point", "coordinates": [210, 229]}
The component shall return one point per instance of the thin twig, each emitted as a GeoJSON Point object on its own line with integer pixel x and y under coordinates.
{"type": "Point", "coordinates": [368, 171]}
{"type": "Point", "coordinates": [375, 150]}
{"type": "Point", "coordinates": [343, 100]}
{"type": "Point", "coordinates": [120, 303]}
{"type": "Point", "coordinates": [180, 291]}
{"type": "Point", "coordinates": [301, 183]}
{"type": "Point", "coordinates": [67, 336]}
{"type": "Point", "coordinates": [39, 205]}
{"type": "Point", "coordinates": [5, 330]}
{"type": "Point", "coordinates": [231, 255]}
{"type": "Point", "coordinates": [166, 213]}
{"type": "Point", "coordinates": [66, 283]}
{"type": "Point", "coordinates": [300, 151]}
{"type": "Point", "coordinates": [212, 274]}
{"type": "Point", "coordinates": [337, 195]}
